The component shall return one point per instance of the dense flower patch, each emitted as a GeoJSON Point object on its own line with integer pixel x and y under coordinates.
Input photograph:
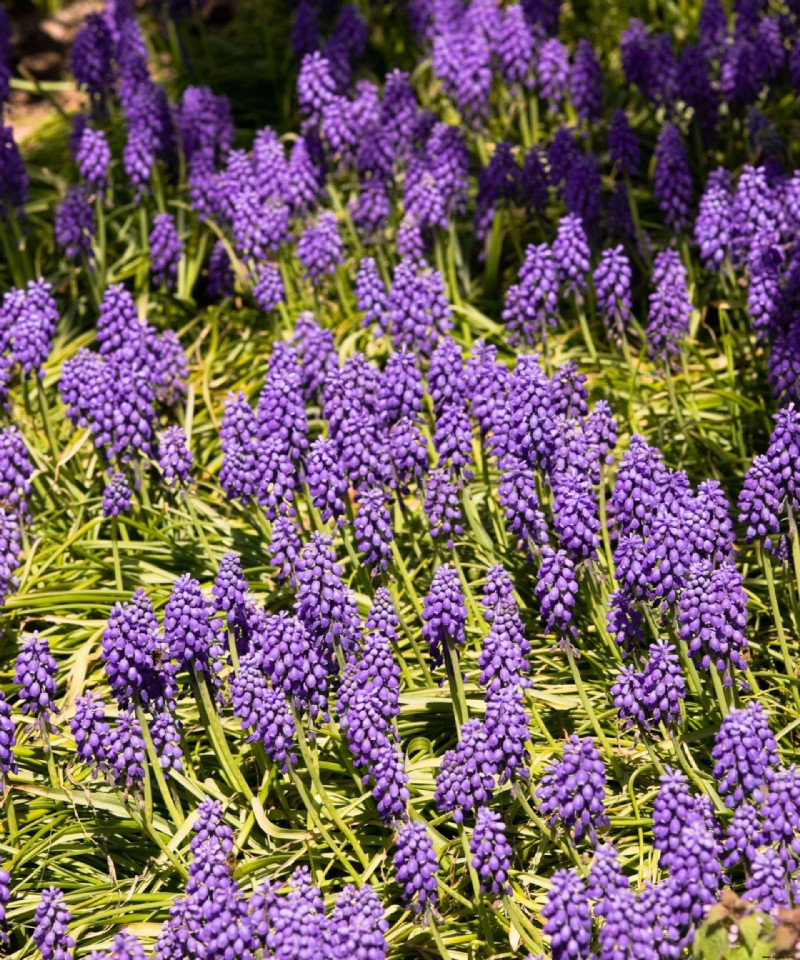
{"type": "Point", "coordinates": [398, 502]}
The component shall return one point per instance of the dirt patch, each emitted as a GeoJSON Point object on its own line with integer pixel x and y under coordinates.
{"type": "Point", "coordinates": [40, 55]}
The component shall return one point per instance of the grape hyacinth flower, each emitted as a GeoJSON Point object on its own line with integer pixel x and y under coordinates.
{"type": "Point", "coordinates": [315, 85]}
{"type": "Point", "coordinates": [670, 306]}
{"type": "Point", "coordinates": [465, 781]}
{"type": "Point", "coordinates": [357, 925]}
{"type": "Point", "coordinates": [745, 753]}
{"type": "Point", "coordinates": [416, 866]}
{"type": "Point", "coordinates": [51, 923]}
{"type": "Point", "coordinates": [712, 613]}
{"type": "Point", "coordinates": [531, 304]}
{"type": "Point", "coordinates": [5, 896]}
{"type": "Point", "coordinates": [568, 921]}
{"type": "Point", "coordinates": [320, 249]}
{"type": "Point", "coordinates": [92, 57]}
{"type": "Point", "coordinates": [553, 71]}
{"type": "Point", "coordinates": [612, 284]}
{"type": "Point", "coordinates": [499, 588]}
{"type": "Point", "coordinates": [586, 82]}
{"type": "Point", "coordinates": [74, 224]}
{"type": "Point", "coordinates": [13, 175]}
{"type": "Point", "coordinates": [90, 730]}
{"type": "Point", "coordinates": [507, 728]}
{"type": "Point", "coordinates": [443, 506]}
{"type": "Point", "coordinates": [174, 457]}
{"type": "Point", "coordinates": [444, 613]}
{"type": "Point", "coordinates": [8, 738]}
{"type": "Point", "coordinates": [571, 253]}
{"type": "Point", "coordinates": [452, 439]}
{"type": "Point", "coordinates": [326, 479]}
{"type": "Point", "coordinates": [557, 590]}
{"type": "Point", "coordinates": [322, 602]}
{"type": "Point", "coordinates": [93, 159]}
{"type": "Point", "coordinates": [166, 250]}
{"type": "Point", "coordinates": [36, 672]}
{"type": "Point", "coordinates": [503, 659]}
{"type": "Point", "coordinates": [188, 628]}
{"type": "Point", "coordinates": [117, 496]}
{"type": "Point", "coordinates": [491, 852]}
{"type": "Point", "coordinates": [263, 710]}
{"type": "Point", "coordinates": [124, 750]}
{"type": "Point", "coordinates": [520, 502]}
{"type": "Point", "coordinates": [673, 179]}
{"type": "Point", "coordinates": [269, 291]}
{"type": "Point", "coordinates": [408, 457]}
{"type": "Point", "coordinates": [712, 227]}
{"type": "Point", "coordinates": [623, 144]}
{"type": "Point", "coordinates": [572, 789]}
{"type": "Point", "coordinates": [165, 731]}
{"type": "Point", "coordinates": [370, 291]}
{"type": "Point", "coordinates": [400, 391]}
{"type": "Point", "coordinates": [674, 808]}
{"type": "Point", "coordinates": [373, 529]}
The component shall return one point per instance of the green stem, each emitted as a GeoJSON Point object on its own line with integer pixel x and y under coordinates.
{"type": "Point", "coordinates": [456, 684]}
{"type": "Point", "coordinates": [590, 712]}
{"type": "Point", "coordinates": [788, 662]}
{"type": "Point", "coordinates": [211, 721]}
{"type": "Point", "coordinates": [171, 804]}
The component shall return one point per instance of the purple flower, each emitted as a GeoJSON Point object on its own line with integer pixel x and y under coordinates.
{"type": "Point", "coordinates": [576, 518]}
{"type": "Point", "coordinates": [452, 439]}
{"type": "Point", "coordinates": [124, 750]}
{"type": "Point", "coordinates": [582, 189]}
{"type": "Point", "coordinates": [92, 56]}
{"type": "Point", "coordinates": [382, 616]}
{"type": "Point", "coordinates": [572, 790]}
{"type": "Point", "coordinates": [612, 284]}
{"type": "Point", "coordinates": [498, 181]}
{"type": "Point", "coordinates": [13, 175]}
{"type": "Point", "coordinates": [416, 865]}
{"type": "Point", "coordinates": [448, 159]}
{"type": "Point", "coordinates": [586, 83]}
{"type": "Point", "coordinates": [557, 590]}
{"type": "Point", "coordinates": [670, 306]}
{"type": "Point", "coordinates": [74, 224]}
{"type": "Point", "coordinates": [466, 777]}
{"type": "Point", "coordinates": [175, 457]}
{"type": "Point", "coordinates": [133, 654]}
{"type": "Point", "coordinates": [36, 672]}
{"type": "Point", "coordinates": [446, 377]}
{"type": "Point", "coordinates": [486, 383]}
{"type": "Point", "coordinates": [93, 158]}
{"type": "Point", "coordinates": [567, 919]}
{"type": "Point", "coordinates": [571, 253]}
{"type": "Point", "coordinates": [761, 500]}
{"type": "Point", "coordinates": [712, 613]}
{"type": "Point", "coordinates": [8, 738]}
{"type": "Point", "coordinates": [314, 346]}
{"type": "Point", "coordinates": [315, 85]}
{"type": "Point", "coordinates": [745, 754]}
{"type": "Point", "coordinates": [263, 710]}
{"type": "Point", "coordinates": [303, 181]}
{"type": "Point", "coordinates": [357, 926]}
{"type": "Point", "coordinates": [370, 291]}
{"type": "Point", "coordinates": [781, 811]}
{"type": "Point", "coordinates": [418, 311]}
{"type": "Point", "coordinates": [422, 198]}
{"type": "Point", "coordinates": [518, 497]}
{"type": "Point", "coordinates": [673, 179]}
{"type": "Point", "coordinates": [188, 628]}
{"type": "Point", "coordinates": [534, 185]}
{"type": "Point", "coordinates": [490, 851]}
{"type": "Point", "coordinates": [166, 250]}
{"type": "Point", "coordinates": [654, 695]}
{"type": "Point", "coordinates": [712, 228]}
{"type": "Point", "coordinates": [743, 836]}
{"type": "Point", "coordinates": [553, 71]}
{"type": "Point", "coordinates": [373, 529]}
{"type": "Point", "coordinates": [51, 923]}
{"type": "Point", "coordinates": [444, 613]}
{"type": "Point", "coordinates": [221, 278]}
{"type": "Point", "coordinates": [408, 456]}
{"type": "Point", "coordinates": [503, 660]}
{"type": "Point", "coordinates": [442, 506]}
{"type": "Point", "coordinates": [498, 589]}
{"type": "Point", "coordinates": [531, 304]}
{"type": "Point", "coordinates": [623, 144]}
{"type": "Point", "coordinates": [320, 248]}
{"type": "Point", "coordinates": [117, 496]}
{"type": "Point", "coordinates": [508, 731]}
{"type": "Point", "coordinates": [400, 391]}
{"type": "Point", "coordinates": [767, 885]}
{"type": "Point", "coordinates": [165, 731]}
{"type": "Point", "coordinates": [674, 809]}
{"type": "Point", "coordinates": [562, 155]}
{"type": "Point", "coordinates": [326, 479]}
{"type": "Point", "coordinates": [322, 602]}
{"type": "Point", "coordinates": [284, 548]}
{"type": "Point", "coordinates": [5, 896]}
{"type": "Point", "coordinates": [295, 663]}
{"type": "Point", "coordinates": [269, 291]}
